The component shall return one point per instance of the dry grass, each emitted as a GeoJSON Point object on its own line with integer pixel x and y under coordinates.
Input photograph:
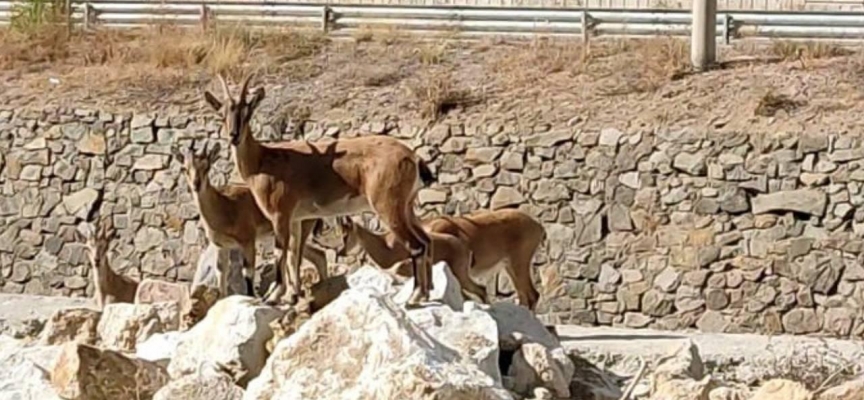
{"type": "Point", "coordinates": [788, 50]}
{"type": "Point", "coordinates": [436, 95]}
{"type": "Point", "coordinates": [156, 58]}
{"type": "Point", "coordinates": [772, 102]}
{"type": "Point", "coordinates": [655, 63]}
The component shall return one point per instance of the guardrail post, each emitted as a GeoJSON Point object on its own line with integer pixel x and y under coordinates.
{"type": "Point", "coordinates": [727, 28]}
{"type": "Point", "coordinates": [205, 17]}
{"type": "Point", "coordinates": [325, 19]}
{"type": "Point", "coordinates": [88, 16]}
{"type": "Point", "coordinates": [68, 5]}
{"type": "Point", "coordinates": [586, 26]}
{"type": "Point", "coordinates": [703, 36]}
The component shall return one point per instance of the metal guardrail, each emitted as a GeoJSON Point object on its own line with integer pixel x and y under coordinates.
{"type": "Point", "coordinates": [341, 19]}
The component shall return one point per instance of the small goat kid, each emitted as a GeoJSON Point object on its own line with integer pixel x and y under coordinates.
{"type": "Point", "coordinates": [504, 237]}
{"type": "Point", "coordinates": [296, 180]}
{"type": "Point", "coordinates": [110, 287]}
{"type": "Point", "coordinates": [391, 257]}
{"type": "Point", "coordinates": [231, 217]}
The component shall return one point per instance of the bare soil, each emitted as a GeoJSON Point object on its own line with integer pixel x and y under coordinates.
{"type": "Point", "coordinates": [383, 75]}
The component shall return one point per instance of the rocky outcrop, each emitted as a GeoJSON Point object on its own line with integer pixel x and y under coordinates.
{"type": "Point", "coordinates": [207, 345]}
{"type": "Point", "coordinates": [71, 325]}
{"type": "Point", "coordinates": [124, 325]}
{"type": "Point", "coordinates": [400, 359]}
{"type": "Point", "coordinates": [85, 372]}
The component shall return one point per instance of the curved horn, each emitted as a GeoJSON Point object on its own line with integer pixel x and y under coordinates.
{"type": "Point", "coordinates": [244, 87]}
{"type": "Point", "coordinates": [224, 86]}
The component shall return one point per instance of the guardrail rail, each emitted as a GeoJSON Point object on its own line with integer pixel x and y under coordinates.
{"type": "Point", "coordinates": [345, 19]}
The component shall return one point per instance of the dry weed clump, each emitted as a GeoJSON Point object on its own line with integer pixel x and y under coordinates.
{"type": "Point", "coordinates": [789, 50]}
{"type": "Point", "coordinates": [436, 95]}
{"type": "Point", "coordinates": [772, 102]}
{"type": "Point", "coordinates": [542, 58]}
{"type": "Point", "coordinates": [655, 62]}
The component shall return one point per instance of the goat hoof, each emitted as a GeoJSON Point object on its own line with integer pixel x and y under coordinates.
{"type": "Point", "coordinates": [417, 299]}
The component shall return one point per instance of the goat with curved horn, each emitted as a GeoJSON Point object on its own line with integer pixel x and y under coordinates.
{"type": "Point", "coordinates": [295, 181]}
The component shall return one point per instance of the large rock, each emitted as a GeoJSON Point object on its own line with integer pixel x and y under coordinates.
{"type": "Point", "coordinates": [684, 389]}
{"type": "Point", "coordinates": [445, 288]}
{"type": "Point", "coordinates": [71, 325]}
{"type": "Point", "coordinates": [363, 346]}
{"type": "Point", "coordinates": [23, 371]}
{"type": "Point", "coordinates": [124, 325]}
{"type": "Point", "coordinates": [159, 348]}
{"type": "Point", "coordinates": [234, 332]}
{"type": "Point", "coordinates": [151, 291]}
{"type": "Point", "coordinates": [685, 363]}
{"type": "Point", "coordinates": [518, 325]}
{"type": "Point", "coordinates": [85, 372]}
{"type": "Point", "coordinates": [592, 383]}
{"type": "Point", "coordinates": [781, 389]}
{"type": "Point", "coordinates": [201, 387]}
{"type": "Point", "coordinates": [535, 365]}
{"type": "Point", "coordinates": [851, 390]}
{"type": "Point", "coordinates": [472, 333]}
{"type": "Point", "coordinates": [805, 201]}
{"type": "Point", "coordinates": [371, 278]}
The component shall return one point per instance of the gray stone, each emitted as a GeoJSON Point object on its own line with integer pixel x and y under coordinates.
{"type": "Point", "coordinates": [637, 320]}
{"type": "Point", "coordinates": [801, 321]}
{"type": "Point", "coordinates": [734, 202]}
{"type": "Point", "coordinates": [31, 173]}
{"type": "Point", "coordinates": [150, 162]}
{"type": "Point", "coordinates": [609, 277]}
{"type": "Point", "coordinates": [693, 164]}
{"type": "Point", "coordinates": [506, 197]}
{"type": "Point", "coordinates": [619, 218]}
{"type": "Point", "coordinates": [838, 321]}
{"type": "Point", "coordinates": [716, 299]}
{"type": "Point", "coordinates": [549, 139]}
{"type": "Point", "coordinates": [550, 191]}
{"type": "Point", "coordinates": [80, 202]}
{"type": "Point", "coordinates": [656, 303]}
{"type": "Point", "coordinates": [712, 322]}
{"type": "Point", "coordinates": [148, 238]}
{"type": "Point", "coordinates": [610, 137]}
{"type": "Point", "coordinates": [482, 155]}
{"type": "Point", "coordinates": [667, 280]}
{"type": "Point", "coordinates": [513, 160]}
{"type": "Point", "coordinates": [806, 201]}
{"type": "Point", "coordinates": [431, 196]}
{"type": "Point", "coordinates": [592, 231]}
{"type": "Point", "coordinates": [143, 135]}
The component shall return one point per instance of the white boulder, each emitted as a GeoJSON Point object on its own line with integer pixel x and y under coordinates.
{"type": "Point", "coordinates": [159, 348]}
{"type": "Point", "coordinates": [518, 325]}
{"type": "Point", "coordinates": [535, 365]}
{"type": "Point", "coordinates": [24, 370]}
{"type": "Point", "coordinates": [362, 346]}
{"type": "Point", "coordinates": [372, 278]}
{"type": "Point", "coordinates": [123, 325]}
{"type": "Point", "coordinates": [445, 288]}
{"type": "Point", "coordinates": [201, 387]}
{"type": "Point", "coordinates": [472, 333]}
{"type": "Point", "coordinates": [234, 332]}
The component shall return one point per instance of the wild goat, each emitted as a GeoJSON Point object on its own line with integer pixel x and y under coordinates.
{"type": "Point", "coordinates": [231, 217]}
{"type": "Point", "coordinates": [293, 181]}
{"type": "Point", "coordinates": [504, 237]}
{"type": "Point", "coordinates": [494, 239]}
{"type": "Point", "coordinates": [391, 257]}
{"type": "Point", "coordinates": [110, 287]}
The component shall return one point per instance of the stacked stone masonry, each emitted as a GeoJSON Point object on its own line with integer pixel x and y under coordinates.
{"type": "Point", "coordinates": [651, 228]}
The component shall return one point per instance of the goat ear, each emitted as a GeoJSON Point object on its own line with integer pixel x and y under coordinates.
{"type": "Point", "coordinates": [257, 96]}
{"type": "Point", "coordinates": [212, 101]}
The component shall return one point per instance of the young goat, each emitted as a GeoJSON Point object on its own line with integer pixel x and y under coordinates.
{"type": "Point", "coordinates": [395, 259]}
{"type": "Point", "coordinates": [504, 237]}
{"type": "Point", "coordinates": [297, 180]}
{"type": "Point", "coordinates": [110, 287]}
{"type": "Point", "coordinates": [231, 217]}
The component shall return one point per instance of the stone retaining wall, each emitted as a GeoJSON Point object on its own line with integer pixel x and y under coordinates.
{"type": "Point", "coordinates": [645, 229]}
